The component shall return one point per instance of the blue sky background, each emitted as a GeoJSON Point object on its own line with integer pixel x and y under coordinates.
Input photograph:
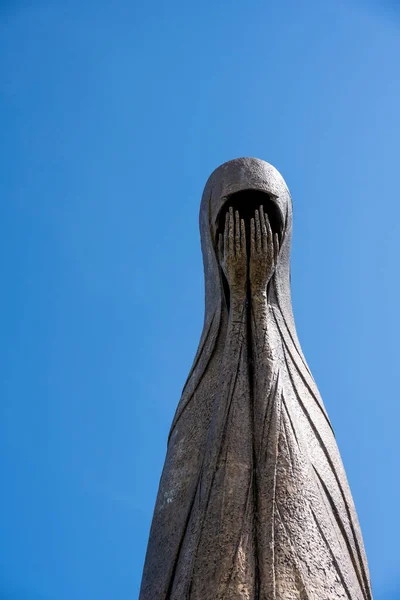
{"type": "Point", "coordinates": [113, 114]}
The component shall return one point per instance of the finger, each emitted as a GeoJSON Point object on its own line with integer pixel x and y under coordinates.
{"type": "Point", "coordinates": [276, 247]}
{"type": "Point", "coordinates": [237, 233]}
{"type": "Point", "coordinates": [270, 239]}
{"type": "Point", "coordinates": [264, 232]}
{"type": "Point", "coordinates": [271, 253]}
{"type": "Point", "coordinates": [231, 231]}
{"type": "Point", "coordinates": [220, 247]}
{"type": "Point", "coordinates": [252, 237]}
{"type": "Point", "coordinates": [243, 235]}
{"type": "Point", "coordinates": [258, 231]}
{"type": "Point", "coordinates": [226, 235]}
{"type": "Point", "coordinates": [268, 226]}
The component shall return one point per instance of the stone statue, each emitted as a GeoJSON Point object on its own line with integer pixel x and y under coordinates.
{"type": "Point", "coordinates": [253, 502]}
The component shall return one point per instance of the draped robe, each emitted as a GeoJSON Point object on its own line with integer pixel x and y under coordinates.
{"type": "Point", "coordinates": [253, 502]}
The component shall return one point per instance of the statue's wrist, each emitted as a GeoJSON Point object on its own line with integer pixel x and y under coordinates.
{"type": "Point", "coordinates": [238, 299]}
{"type": "Point", "coordinates": [259, 293]}
{"type": "Point", "coordinates": [238, 291]}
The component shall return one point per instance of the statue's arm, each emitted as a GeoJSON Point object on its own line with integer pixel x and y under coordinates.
{"type": "Point", "coordinates": [233, 260]}
{"type": "Point", "coordinates": [264, 248]}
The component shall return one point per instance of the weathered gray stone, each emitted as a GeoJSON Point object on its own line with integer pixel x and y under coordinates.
{"type": "Point", "coordinates": [253, 502]}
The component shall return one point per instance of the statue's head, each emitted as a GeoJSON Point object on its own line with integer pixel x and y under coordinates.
{"type": "Point", "coordinates": [245, 184]}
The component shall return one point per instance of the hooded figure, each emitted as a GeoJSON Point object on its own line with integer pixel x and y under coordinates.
{"type": "Point", "coordinates": [253, 502]}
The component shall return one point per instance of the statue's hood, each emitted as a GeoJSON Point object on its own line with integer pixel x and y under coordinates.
{"type": "Point", "coordinates": [244, 174]}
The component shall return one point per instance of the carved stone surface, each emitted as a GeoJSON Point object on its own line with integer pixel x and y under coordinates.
{"type": "Point", "coordinates": [253, 502]}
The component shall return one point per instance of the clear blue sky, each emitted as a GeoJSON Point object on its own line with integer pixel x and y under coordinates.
{"type": "Point", "coordinates": [113, 114]}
